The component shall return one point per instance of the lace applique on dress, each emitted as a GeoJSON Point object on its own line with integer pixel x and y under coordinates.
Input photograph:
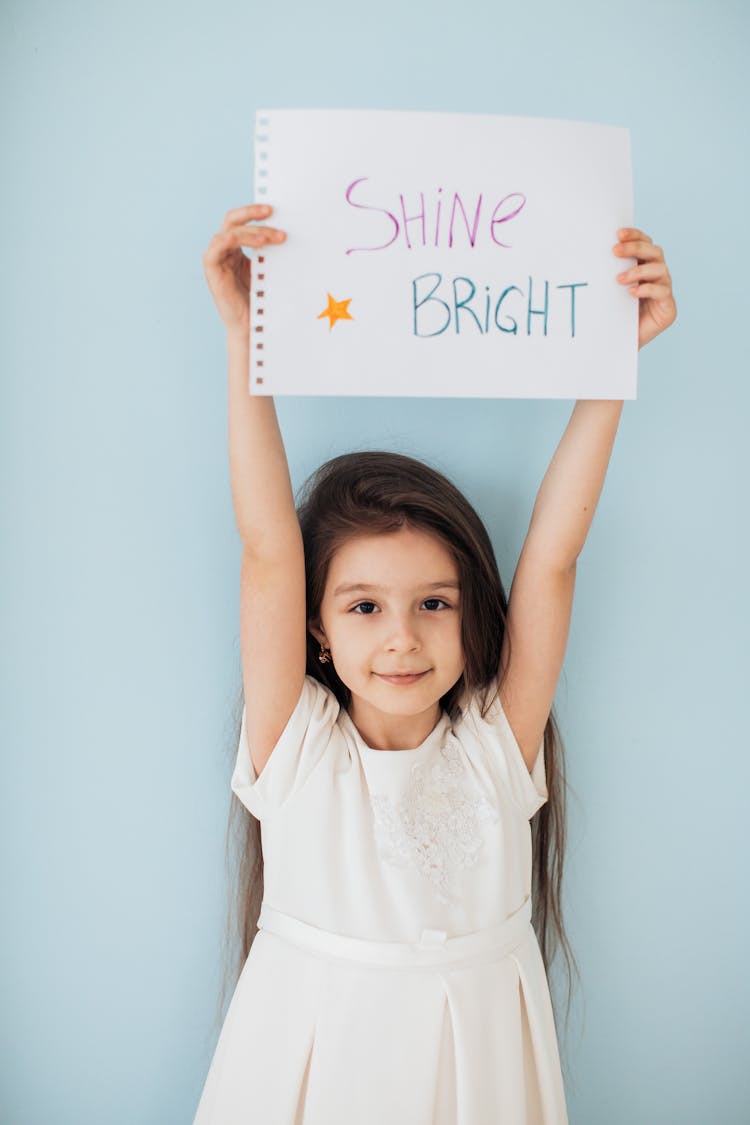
{"type": "Point", "coordinates": [436, 826]}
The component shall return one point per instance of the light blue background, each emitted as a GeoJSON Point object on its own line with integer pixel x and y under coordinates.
{"type": "Point", "coordinates": [127, 134]}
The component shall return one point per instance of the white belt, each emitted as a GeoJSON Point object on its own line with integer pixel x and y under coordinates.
{"type": "Point", "coordinates": [433, 948]}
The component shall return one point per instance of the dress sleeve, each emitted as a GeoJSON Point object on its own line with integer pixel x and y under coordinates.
{"type": "Point", "coordinates": [300, 748]}
{"type": "Point", "coordinates": [527, 790]}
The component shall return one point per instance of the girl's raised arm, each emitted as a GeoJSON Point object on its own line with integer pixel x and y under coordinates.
{"type": "Point", "coordinates": [272, 581]}
{"type": "Point", "coordinates": [541, 596]}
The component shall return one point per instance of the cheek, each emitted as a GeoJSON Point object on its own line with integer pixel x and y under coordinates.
{"type": "Point", "coordinates": [346, 637]}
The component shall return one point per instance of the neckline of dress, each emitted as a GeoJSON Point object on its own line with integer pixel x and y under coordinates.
{"type": "Point", "coordinates": [434, 737]}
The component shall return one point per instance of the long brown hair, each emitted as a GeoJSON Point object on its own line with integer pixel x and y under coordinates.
{"type": "Point", "coordinates": [371, 492]}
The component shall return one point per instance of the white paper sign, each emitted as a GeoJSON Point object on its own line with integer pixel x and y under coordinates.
{"type": "Point", "coordinates": [442, 254]}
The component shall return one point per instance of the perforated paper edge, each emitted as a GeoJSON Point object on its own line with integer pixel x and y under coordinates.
{"type": "Point", "coordinates": [258, 351]}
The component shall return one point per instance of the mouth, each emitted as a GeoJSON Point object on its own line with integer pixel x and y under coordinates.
{"type": "Point", "coordinates": [402, 678]}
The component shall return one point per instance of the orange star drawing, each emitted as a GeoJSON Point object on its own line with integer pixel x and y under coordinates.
{"type": "Point", "coordinates": [337, 310]}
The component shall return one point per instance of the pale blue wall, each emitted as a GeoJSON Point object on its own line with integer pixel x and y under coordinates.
{"type": "Point", "coordinates": [126, 136]}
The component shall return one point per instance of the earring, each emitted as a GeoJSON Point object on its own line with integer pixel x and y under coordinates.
{"type": "Point", "coordinates": [324, 656]}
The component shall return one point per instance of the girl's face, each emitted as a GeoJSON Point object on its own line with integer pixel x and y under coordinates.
{"type": "Point", "coordinates": [391, 616]}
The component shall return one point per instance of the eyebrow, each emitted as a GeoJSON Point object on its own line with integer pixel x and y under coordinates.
{"type": "Point", "coordinates": [366, 587]}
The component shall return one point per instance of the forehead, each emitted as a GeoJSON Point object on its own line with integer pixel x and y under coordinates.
{"type": "Point", "coordinates": [407, 557]}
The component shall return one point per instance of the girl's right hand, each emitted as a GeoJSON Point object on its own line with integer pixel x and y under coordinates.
{"type": "Point", "coordinates": [227, 269]}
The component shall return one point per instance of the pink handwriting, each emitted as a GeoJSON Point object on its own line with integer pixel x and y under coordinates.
{"type": "Point", "coordinates": [425, 224]}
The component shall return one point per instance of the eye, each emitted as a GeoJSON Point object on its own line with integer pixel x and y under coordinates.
{"type": "Point", "coordinates": [433, 603]}
{"type": "Point", "coordinates": [365, 607]}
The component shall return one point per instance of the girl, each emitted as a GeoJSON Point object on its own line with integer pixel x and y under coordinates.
{"type": "Point", "coordinates": [397, 747]}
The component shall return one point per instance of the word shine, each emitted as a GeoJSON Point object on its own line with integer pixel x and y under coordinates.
{"type": "Point", "coordinates": [434, 225]}
{"type": "Point", "coordinates": [434, 314]}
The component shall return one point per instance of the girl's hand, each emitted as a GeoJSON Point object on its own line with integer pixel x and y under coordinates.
{"type": "Point", "coordinates": [227, 269]}
{"type": "Point", "coordinates": [649, 281]}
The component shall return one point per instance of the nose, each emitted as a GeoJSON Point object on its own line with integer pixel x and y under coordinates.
{"type": "Point", "coordinates": [402, 635]}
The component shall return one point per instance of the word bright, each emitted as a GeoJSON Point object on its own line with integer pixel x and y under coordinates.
{"type": "Point", "coordinates": [434, 314]}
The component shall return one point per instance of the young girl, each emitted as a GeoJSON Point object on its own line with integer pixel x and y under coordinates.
{"type": "Point", "coordinates": [397, 746]}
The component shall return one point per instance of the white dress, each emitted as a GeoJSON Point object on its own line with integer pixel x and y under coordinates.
{"type": "Point", "coordinates": [395, 976]}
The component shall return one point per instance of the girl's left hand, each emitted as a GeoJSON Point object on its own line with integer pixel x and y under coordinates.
{"type": "Point", "coordinates": [649, 281]}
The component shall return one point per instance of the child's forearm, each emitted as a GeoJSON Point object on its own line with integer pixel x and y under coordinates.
{"type": "Point", "coordinates": [261, 486]}
{"type": "Point", "coordinates": [569, 493]}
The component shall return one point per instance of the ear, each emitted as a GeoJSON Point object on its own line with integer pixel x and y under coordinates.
{"type": "Point", "coordinates": [314, 628]}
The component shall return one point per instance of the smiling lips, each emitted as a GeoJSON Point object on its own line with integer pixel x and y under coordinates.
{"type": "Point", "coordinates": [402, 677]}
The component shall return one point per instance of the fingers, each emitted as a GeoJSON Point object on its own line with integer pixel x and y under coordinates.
{"type": "Point", "coordinates": [631, 233]}
{"type": "Point", "coordinates": [640, 248]}
{"type": "Point", "coordinates": [650, 278]}
{"type": "Point", "coordinates": [237, 220]}
{"type": "Point", "coordinates": [659, 292]}
{"type": "Point", "coordinates": [241, 215]}
{"type": "Point", "coordinates": [235, 233]}
{"type": "Point", "coordinates": [649, 271]}
{"type": "Point", "coordinates": [241, 234]}
{"type": "Point", "coordinates": [255, 236]}
{"type": "Point", "coordinates": [633, 243]}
